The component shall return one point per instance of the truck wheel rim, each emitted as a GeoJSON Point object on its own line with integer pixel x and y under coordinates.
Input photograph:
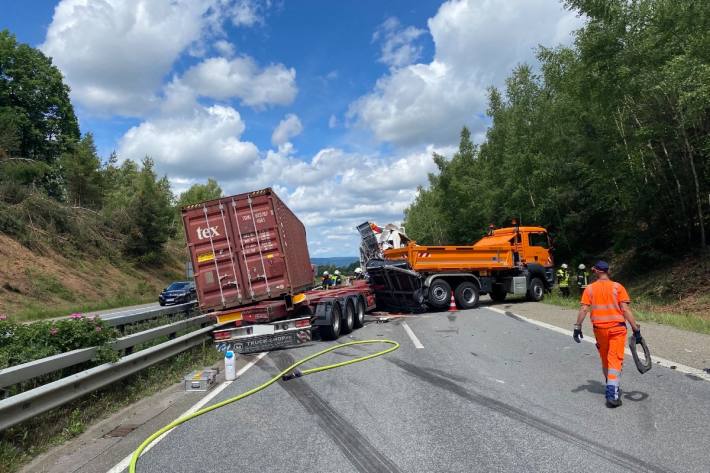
{"type": "Point", "coordinates": [360, 312]}
{"type": "Point", "coordinates": [537, 291]}
{"type": "Point", "coordinates": [469, 295]}
{"type": "Point", "coordinates": [439, 293]}
{"type": "Point", "coordinates": [336, 321]}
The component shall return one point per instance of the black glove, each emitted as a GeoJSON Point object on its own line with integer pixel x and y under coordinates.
{"type": "Point", "coordinates": [577, 335]}
{"type": "Point", "coordinates": [637, 335]}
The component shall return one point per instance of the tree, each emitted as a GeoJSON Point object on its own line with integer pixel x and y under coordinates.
{"type": "Point", "coordinates": [81, 171]}
{"type": "Point", "coordinates": [36, 115]}
{"type": "Point", "coordinates": [200, 193]}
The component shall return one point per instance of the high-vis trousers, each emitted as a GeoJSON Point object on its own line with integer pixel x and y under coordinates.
{"type": "Point", "coordinates": [610, 343]}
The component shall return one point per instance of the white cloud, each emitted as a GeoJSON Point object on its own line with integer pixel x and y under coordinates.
{"type": "Point", "coordinates": [477, 44]}
{"type": "Point", "coordinates": [332, 121]}
{"type": "Point", "coordinates": [115, 54]}
{"type": "Point", "coordinates": [241, 77]}
{"type": "Point", "coordinates": [202, 144]}
{"type": "Point", "coordinates": [287, 128]}
{"type": "Point", "coordinates": [224, 47]}
{"type": "Point", "coordinates": [248, 12]}
{"type": "Point", "coordinates": [398, 48]}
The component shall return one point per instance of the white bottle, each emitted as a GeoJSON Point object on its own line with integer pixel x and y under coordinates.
{"type": "Point", "coordinates": [230, 368]}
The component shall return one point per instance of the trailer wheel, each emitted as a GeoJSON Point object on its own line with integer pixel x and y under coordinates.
{"type": "Point", "coordinates": [536, 290]}
{"type": "Point", "coordinates": [498, 294]}
{"type": "Point", "coordinates": [466, 295]}
{"type": "Point", "coordinates": [349, 321]}
{"type": "Point", "coordinates": [359, 312]}
{"type": "Point", "coordinates": [332, 331]}
{"type": "Point", "coordinates": [439, 294]}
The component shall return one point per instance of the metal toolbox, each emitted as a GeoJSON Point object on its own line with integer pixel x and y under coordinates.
{"type": "Point", "coordinates": [201, 380]}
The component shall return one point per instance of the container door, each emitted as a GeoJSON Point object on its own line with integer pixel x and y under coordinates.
{"type": "Point", "coordinates": [214, 257]}
{"type": "Point", "coordinates": [260, 256]}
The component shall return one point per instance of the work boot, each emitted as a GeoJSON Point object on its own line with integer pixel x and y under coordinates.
{"type": "Point", "coordinates": [613, 396]}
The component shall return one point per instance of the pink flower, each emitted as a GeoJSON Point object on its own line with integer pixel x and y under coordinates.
{"type": "Point", "coordinates": [3, 317]}
{"type": "Point", "coordinates": [75, 315]}
{"type": "Point", "coordinates": [98, 328]}
{"type": "Point", "coordinates": [53, 331]}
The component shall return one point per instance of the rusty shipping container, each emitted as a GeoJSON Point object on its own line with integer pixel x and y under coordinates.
{"type": "Point", "coordinates": [246, 248]}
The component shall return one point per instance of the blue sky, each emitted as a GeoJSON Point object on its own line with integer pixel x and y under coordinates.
{"type": "Point", "coordinates": [337, 105]}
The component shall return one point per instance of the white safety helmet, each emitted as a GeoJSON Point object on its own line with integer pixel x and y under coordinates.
{"type": "Point", "coordinates": [337, 273]}
{"type": "Point", "coordinates": [564, 266]}
{"type": "Point", "coordinates": [358, 270]}
{"type": "Point", "coordinates": [325, 273]}
{"type": "Point", "coordinates": [582, 267]}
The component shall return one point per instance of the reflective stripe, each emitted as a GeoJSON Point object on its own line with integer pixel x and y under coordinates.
{"type": "Point", "coordinates": [604, 307]}
{"type": "Point", "coordinates": [612, 382]}
{"type": "Point", "coordinates": [608, 317]}
{"type": "Point", "coordinates": [614, 371]}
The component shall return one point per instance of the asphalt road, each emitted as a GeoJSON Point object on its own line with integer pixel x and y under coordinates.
{"type": "Point", "coordinates": [486, 392]}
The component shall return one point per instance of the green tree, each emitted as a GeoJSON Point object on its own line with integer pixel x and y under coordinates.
{"type": "Point", "coordinates": [36, 116]}
{"type": "Point", "coordinates": [200, 193]}
{"type": "Point", "coordinates": [81, 171]}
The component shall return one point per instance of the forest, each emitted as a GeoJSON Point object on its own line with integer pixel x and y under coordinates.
{"type": "Point", "coordinates": [605, 142]}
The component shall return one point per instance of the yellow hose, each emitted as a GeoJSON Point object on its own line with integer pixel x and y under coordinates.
{"type": "Point", "coordinates": [285, 373]}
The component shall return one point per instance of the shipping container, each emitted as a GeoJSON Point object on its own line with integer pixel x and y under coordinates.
{"type": "Point", "coordinates": [246, 248]}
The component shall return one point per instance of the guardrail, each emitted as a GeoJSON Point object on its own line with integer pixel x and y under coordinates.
{"type": "Point", "coordinates": [121, 321]}
{"type": "Point", "coordinates": [35, 401]}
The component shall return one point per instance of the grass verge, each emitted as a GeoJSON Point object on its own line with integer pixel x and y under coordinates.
{"type": "Point", "coordinates": [644, 311]}
{"type": "Point", "coordinates": [21, 443]}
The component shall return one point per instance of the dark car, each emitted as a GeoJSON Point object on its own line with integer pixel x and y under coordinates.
{"type": "Point", "coordinates": [178, 292]}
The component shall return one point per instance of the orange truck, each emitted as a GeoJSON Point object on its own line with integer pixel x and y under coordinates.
{"type": "Point", "coordinates": [515, 260]}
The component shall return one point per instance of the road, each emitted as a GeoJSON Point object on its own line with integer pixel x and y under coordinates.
{"type": "Point", "coordinates": [485, 392]}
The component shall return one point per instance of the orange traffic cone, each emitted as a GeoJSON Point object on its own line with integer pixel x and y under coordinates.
{"type": "Point", "coordinates": [452, 305]}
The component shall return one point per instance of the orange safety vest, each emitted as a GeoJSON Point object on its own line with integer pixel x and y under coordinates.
{"type": "Point", "coordinates": [605, 298]}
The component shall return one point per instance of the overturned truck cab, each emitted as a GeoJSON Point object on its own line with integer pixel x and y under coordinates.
{"type": "Point", "coordinates": [514, 260]}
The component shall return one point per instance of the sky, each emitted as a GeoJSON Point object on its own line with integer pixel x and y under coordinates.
{"type": "Point", "coordinates": [338, 106]}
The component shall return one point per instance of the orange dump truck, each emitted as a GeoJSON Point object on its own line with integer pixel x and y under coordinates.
{"type": "Point", "coordinates": [514, 260]}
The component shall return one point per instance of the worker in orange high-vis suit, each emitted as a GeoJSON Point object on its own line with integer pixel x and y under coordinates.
{"type": "Point", "coordinates": [607, 302]}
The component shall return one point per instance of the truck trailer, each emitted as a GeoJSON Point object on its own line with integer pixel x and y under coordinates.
{"type": "Point", "coordinates": [515, 260]}
{"type": "Point", "coordinates": [253, 275]}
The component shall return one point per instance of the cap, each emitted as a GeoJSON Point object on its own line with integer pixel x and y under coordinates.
{"type": "Point", "coordinates": [602, 266]}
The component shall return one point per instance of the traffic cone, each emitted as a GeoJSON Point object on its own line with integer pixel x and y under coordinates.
{"type": "Point", "coordinates": [452, 305]}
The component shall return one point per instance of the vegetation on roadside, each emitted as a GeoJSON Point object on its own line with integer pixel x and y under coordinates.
{"type": "Point", "coordinates": [21, 443]}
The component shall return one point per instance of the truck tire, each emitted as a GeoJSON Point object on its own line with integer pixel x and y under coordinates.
{"type": "Point", "coordinates": [466, 295]}
{"type": "Point", "coordinates": [536, 290]}
{"type": "Point", "coordinates": [349, 319]}
{"type": "Point", "coordinates": [359, 312]}
{"type": "Point", "coordinates": [332, 331]}
{"type": "Point", "coordinates": [498, 294]}
{"type": "Point", "coordinates": [439, 294]}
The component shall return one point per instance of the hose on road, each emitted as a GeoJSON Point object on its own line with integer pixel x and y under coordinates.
{"type": "Point", "coordinates": [289, 373]}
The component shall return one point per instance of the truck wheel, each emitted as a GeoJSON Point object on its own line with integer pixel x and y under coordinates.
{"type": "Point", "coordinates": [349, 321]}
{"type": "Point", "coordinates": [439, 294]}
{"type": "Point", "coordinates": [466, 295]}
{"type": "Point", "coordinates": [332, 331]}
{"type": "Point", "coordinates": [498, 294]}
{"type": "Point", "coordinates": [359, 312]}
{"type": "Point", "coordinates": [536, 290]}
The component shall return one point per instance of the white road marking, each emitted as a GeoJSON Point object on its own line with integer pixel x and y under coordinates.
{"type": "Point", "coordinates": [590, 339]}
{"type": "Point", "coordinates": [123, 464]}
{"type": "Point", "coordinates": [414, 338]}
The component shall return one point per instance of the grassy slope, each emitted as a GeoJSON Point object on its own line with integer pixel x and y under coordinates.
{"type": "Point", "coordinates": [36, 285]}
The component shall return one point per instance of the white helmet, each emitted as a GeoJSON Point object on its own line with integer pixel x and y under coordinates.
{"type": "Point", "coordinates": [337, 273]}
{"type": "Point", "coordinates": [325, 273]}
{"type": "Point", "coordinates": [358, 270]}
{"type": "Point", "coordinates": [564, 266]}
{"type": "Point", "coordinates": [581, 266]}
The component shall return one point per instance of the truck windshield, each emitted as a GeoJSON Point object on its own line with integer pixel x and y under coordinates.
{"type": "Point", "coordinates": [539, 239]}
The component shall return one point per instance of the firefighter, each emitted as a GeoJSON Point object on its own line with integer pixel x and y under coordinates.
{"type": "Point", "coordinates": [582, 277]}
{"type": "Point", "coordinates": [359, 274]}
{"type": "Point", "coordinates": [337, 279]}
{"type": "Point", "coordinates": [608, 304]}
{"type": "Point", "coordinates": [563, 279]}
{"type": "Point", "coordinates": [325, 281]}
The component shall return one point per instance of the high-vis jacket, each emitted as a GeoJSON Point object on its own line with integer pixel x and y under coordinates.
{"type": "Point", "coordinates": [563, 277]}
{"type": "Point", "coordinates": [604, 298]}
